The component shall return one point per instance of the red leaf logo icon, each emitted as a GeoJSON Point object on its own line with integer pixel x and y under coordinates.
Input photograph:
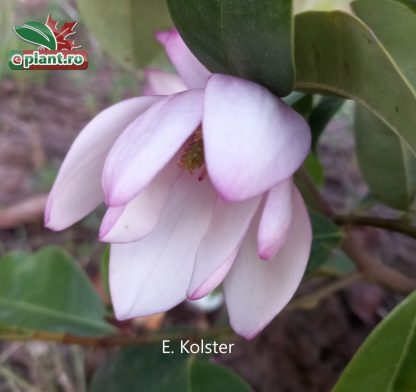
{"type": "Point", "coordinates": [62, 34]}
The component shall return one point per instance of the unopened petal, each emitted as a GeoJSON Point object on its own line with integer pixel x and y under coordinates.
{"type": "Point", "coordinates": [256, 291]}
{"type": "Point", "coordinates": [139, 217]}
{"type": "Point", "coordinates": [252, 139]}
{"type": "Point", "coordinates": [153, 274]}
{"type": "Point", "coordinates": [77, 189]}
{"type": "Point", "coordinates": [275, 219]}
{"type": "Point", "coordinates": [158, 82]}
{"type": "Point", "coordinates": [193, 73]}
{"type": "Point", "coordinates": [148, 144]}
{"type": "Point", "coordinates": [220, 245]}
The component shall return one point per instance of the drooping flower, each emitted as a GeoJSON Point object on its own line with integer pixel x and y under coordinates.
{"type": "Point", "coordinates": [197, 178]}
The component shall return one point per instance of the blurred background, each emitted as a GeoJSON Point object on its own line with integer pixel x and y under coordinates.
{"type": "Point", "coordinates": [41, 112]}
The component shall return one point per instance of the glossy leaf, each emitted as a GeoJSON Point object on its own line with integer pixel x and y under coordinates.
{"type": "Point", "coordinates": [409, 3]}
{"type": "Point", "coordinates": [125, 29]}
{"type": "Point", "coordinates": [303, 104]}
{"type": "Point", "coordinates": [387, 164]}
{"type": "Point", "coordinates": [326, 237]}
{"type": "Point", "coordinates": [146, 368]}
{"type": "Point", "coordinates": [386, 360]}
{"type": "Point", "coordinates": [339, 263]}
{"type": "Point", "coordinates": [38, 34]}
{"type": "Point", "coordinates": [206, 376]}
{"type": "Point", "coordinates": [48, 291]}
{"type": "Point", "coordinates": [105, 270]}
{"type": "Point", "coordinates": [304, 188]}
{"type": "Point", "coordinates": [143, 368]}
{"type": "Point", "coordinates": [397, 37]}
{"type": "Point", "coordinates": [314, 169]}
{"type": "Point", "coordinates": [337, 54]}
{"type": "Point", "coordinates": [245, 38]}
{"type": "Point", "coordinates": [300, 102]}
{"type": "Point", "coordinates": [322, 114]}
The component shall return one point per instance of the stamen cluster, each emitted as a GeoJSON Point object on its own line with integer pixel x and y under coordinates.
{"type": "Point", "coordinates": [192, 157]}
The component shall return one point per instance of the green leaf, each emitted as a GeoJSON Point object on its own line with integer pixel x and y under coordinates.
{"type": "Point", "coordinates": [250, 39]}
{"type": "Point", "coordinates": [337, 54]}
{"type": "Point", "coordinates": [395, 26]}
{"type": "Point", "coordinates": [326, 237]}
{"type": "Point", "coordinates": [339, 263]}
{"type": "Point", "coordinates": [48, 291]}
{"type": "Point", "coordinates": [36, 33]}
{"type": "Point", "coordinates": [300, 102]}
{"type": "Point", "coordinates": [125, 29]}
{"type": "Point", "coordinates": [408, 3]}
{"type": "Point", "coordinates": [143, 368]}
{"type": "Point", "coordinates": [321, 115]}
{"type": "Point", "coordinates": [146, 368]}
{"type": "Point", "coordinates": [387, 164]}
{"type": "Point", "coordinates": [314, 169]}
{"type": "Point", "coordinates": [105, 270]}
{"type": "Point", "coordinates": [207, 377]}
{"type": "Point", "coordinates": [386, 360]}
{"type": "Point", "coordinates": [411, 4]}
{"type": "Point", "coordinates": [303, 104]}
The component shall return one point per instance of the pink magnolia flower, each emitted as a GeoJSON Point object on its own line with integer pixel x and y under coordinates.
{"type": "Point", "coordinates": [198, 183]}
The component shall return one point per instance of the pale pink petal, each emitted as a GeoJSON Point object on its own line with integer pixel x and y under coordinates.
{"type": "Point", "coordinates": [158, 82]}
{"type": "Point", "coordinates": [77, 189]}
{"type": "Point", "coordinates": [275, 219]}
{"type": "Point", "coordinates": [153, 274]}
{"type": "Point", "coordinates": [255, 291]}
{"type": "Point", "coordinates": [220, 245]}
{"type": "Point", "coordinates": [252, 139]}
{"type": "Point", "coordinates": [148, 144]}
{"type": "Point", "coordinates": [139, 217]}
{"type": "Point", "coordinates": [193, 73]}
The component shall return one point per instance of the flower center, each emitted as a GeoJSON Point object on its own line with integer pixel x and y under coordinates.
{"type": "Point", "coordinates": [192, 157]}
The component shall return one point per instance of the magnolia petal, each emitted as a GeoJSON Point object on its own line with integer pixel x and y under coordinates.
{"type": "Point", "coordinates": [194, 74]}
{"type": "Point", "coordinates": [77, 189]}
{"type": "Point", "coordinates": [153, 274]}
{"type": "Point", "coordinates": [148, 144]}
{"type": "Point", "coordinates": [219, 247]}
{"type": "Point", "coordinates": [158, 82]}
{"type": "Point", "coordinates": [252, 139]}
{"type": "Point", "coordinates": [275, 219]}
{"type": "Point", "coordinates": [255, 291]}
{"type": "Point", "coordinates": [139, 217]}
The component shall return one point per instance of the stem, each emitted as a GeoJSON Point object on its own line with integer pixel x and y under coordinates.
{"type": "Point", "coordinates": [387, 224]}
{"type": "Point", "coordinates": [23, 212]}
{"type": "Point", "coordinates": [312, 300]}
{"type": "Point", "coordinates": [377, 272]}
{"type": "Point", "coordinates": [371, 269]}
